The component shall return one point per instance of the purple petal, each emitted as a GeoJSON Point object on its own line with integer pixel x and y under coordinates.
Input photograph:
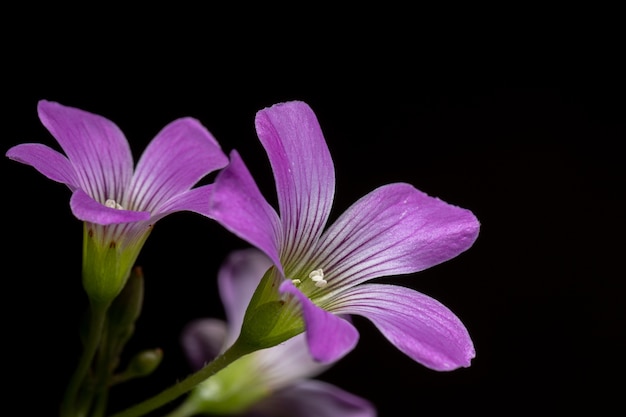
{"type": "Point", "coordinates": [310, 398]}
{"type": "Point", "coordinates": [46, 160]}
{"type": "Point", "coordinates": [238, 277]}
{"type": "Point", "coordinates": [237, 204]}
{"type": "Point", "coordinates": [303, 170]}
{"type": "Point", "coordinates": [289, 361]}
{"type": "Point", "coordinates": [203, 340]}
{"type": "Point", "coordinates": [418, 325]}
{"type": "Point", "coordinates": [195, 200]}
{"type": "Point", "coordinates": [395, 229]}
{"type": "Point", "coordinates": [175, 160]}
{"type": "Point", "coordinates": [95, 146]}
{"type": "Point", "coordinates": [329, 337]}
{"type": "Point", "coordinates": [87, 209]}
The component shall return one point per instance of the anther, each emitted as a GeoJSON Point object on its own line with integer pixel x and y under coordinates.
{"type": "Point", "coordinates": [321, 283]}
{"type": "Point", "coordinates": [317, 276]}
{"type": "Point", "coordinates": [113, 204]}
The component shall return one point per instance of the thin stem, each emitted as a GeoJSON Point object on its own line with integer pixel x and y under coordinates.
{"type": "Point", "coordinates": [97, 316]}
{"type": "Point", "coordinates": [185, 410]}
{"type": "Point", "coordinates": [235, 352]}
{"type": "Point", "coordinates": [103, 367]}
{"type": "Point", "coordinates": [101, 403]}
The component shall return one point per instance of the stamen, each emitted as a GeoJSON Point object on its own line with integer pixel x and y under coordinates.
{"type": "Point", "coordinates": [321, 283]}
{"type": "Point", "coordinates": [113, 204]}
{"type": "Point", "coordinates": [296, 282]}
{"type": "Point", "coordinates": [317, 276]}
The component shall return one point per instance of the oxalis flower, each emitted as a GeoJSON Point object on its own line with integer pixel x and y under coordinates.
{"type": "Point", "coordinates": [321, 273]}
{"type": "Point", "coordinates": [270, 382]}
{"type": "Point", "coordinates": [119, 204]}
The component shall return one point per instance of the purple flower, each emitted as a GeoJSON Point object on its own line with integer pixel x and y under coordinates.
{"type": "Point", "coordinates": [270, 382]}
{"type": "Point", "coordinates": [118, 203]}
{"type": "Point", "coordinates": [321, 273]}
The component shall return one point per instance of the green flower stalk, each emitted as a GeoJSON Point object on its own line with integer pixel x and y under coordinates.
{"type": "Point", "coordinates": [107, 261]}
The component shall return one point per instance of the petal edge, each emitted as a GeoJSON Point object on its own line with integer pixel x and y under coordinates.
{"type": "Point", "coordinates": [418, 325]}
{"type": "Point", "coordinates": [329, 337]}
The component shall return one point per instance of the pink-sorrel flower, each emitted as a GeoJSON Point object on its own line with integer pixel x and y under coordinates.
{"type": "Point", "coordinates": [320, 273]}
{"type": "Point", "coordinates": [270, 382]}
{"type": "Point", "coordinates": [120, 204]}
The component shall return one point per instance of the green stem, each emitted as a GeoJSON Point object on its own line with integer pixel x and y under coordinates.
{"type": "Point", "coordinates": [101, 403]}
{"type": "Point", "coordinates": [235, 352]}
{"type": "Point", "coordinates": [97, 315]}
{"type": "Point", "coordinates": [103, 371]}
{"type": "Point", "coordinates": [185, 410]}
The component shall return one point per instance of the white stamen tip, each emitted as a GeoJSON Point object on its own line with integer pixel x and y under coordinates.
{"type": "Point", "coordinates": [113, 204]}
{"type": "Point", "coordinates": [296, 282]}
{"type": "Point", "coordinates": [321, 283]}
{"type": "Point", "coordinates": [317, 275]}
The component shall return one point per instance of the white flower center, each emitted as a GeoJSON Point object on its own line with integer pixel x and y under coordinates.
{"type": "Point", "coordinates": [317, 276]}
{"type": "Point", "coordinates": [113, 204]}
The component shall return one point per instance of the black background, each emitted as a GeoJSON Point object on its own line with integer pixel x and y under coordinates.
{"type": "Point", "coordinates": [521, 122]}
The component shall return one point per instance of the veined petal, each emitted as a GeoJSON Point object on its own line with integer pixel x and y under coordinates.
{"type": "Point", "coordinates": [289, 361]}
{"type": "Point", "coordinates": [311, 398]}
{"type": "Point", "coordinates": [237, 279]}
{"type": "Point", "coordinates": [203, 340]}
{"type": "Point", "coordinates": [95, 146]}
{"type": "Point", "coordinates": [175, 160]}
{"type": "Point", "coordinates": [238, 205]}
{"type": "Point", "coordinates": [418, 325]}
{"type": "Point", "coordinates": [195, 200]}
{"type": "Point", "coordinates": [87, 209]}
{"type": "Point", "coordinates": [303, 170]}
{"type": "Point", "coordinates": [46, 160]}
{"type": "Point", "coordinates": [329, 337]}
{"type": "Point", "coordinates": [395, 229]}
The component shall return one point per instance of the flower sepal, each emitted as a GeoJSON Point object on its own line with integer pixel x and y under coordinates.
{"type": "Point", "coordinates": [126, 307]}
{"type": "Point", "coordinates": [271, 317]}
{"type": "Point", "coordinates": [121, 319]}
{"type": "Point", "coordinates": [106, 263]}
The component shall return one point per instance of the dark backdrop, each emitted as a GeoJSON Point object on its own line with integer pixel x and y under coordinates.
{"type": "Point", "coordinates": [525, 133]}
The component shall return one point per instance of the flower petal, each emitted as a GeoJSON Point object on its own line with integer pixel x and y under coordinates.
{"type": "Point", "coordinates": [238, 205]}
{"type": "Point", "coordinates": [175, 160]}
{"type": "Point", "coordinates": [395, 229]}
{"type": "Point", "coordinates": [87, 209]}
{"type": "Point", "coordinates": [95, 146]}
{"type": "Point", "coordinates": [203, 340]}
{"type": "Point", "coordinates": [310, 398]}
{"type": "Point", "coordinates": [329, 337]}
{"type": "Point", "coordinates": [238, 277]}
{"type": "Point", "coordinates": [46, 160]}
{"type": "Point", "coordinates": [195, 200]}
{"type": "Point", "coordinates": [418, 325]}
{"type": "Point", "coordinates": [303, 170]}
{"type": "Point", "coordinates": [289, 361]}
